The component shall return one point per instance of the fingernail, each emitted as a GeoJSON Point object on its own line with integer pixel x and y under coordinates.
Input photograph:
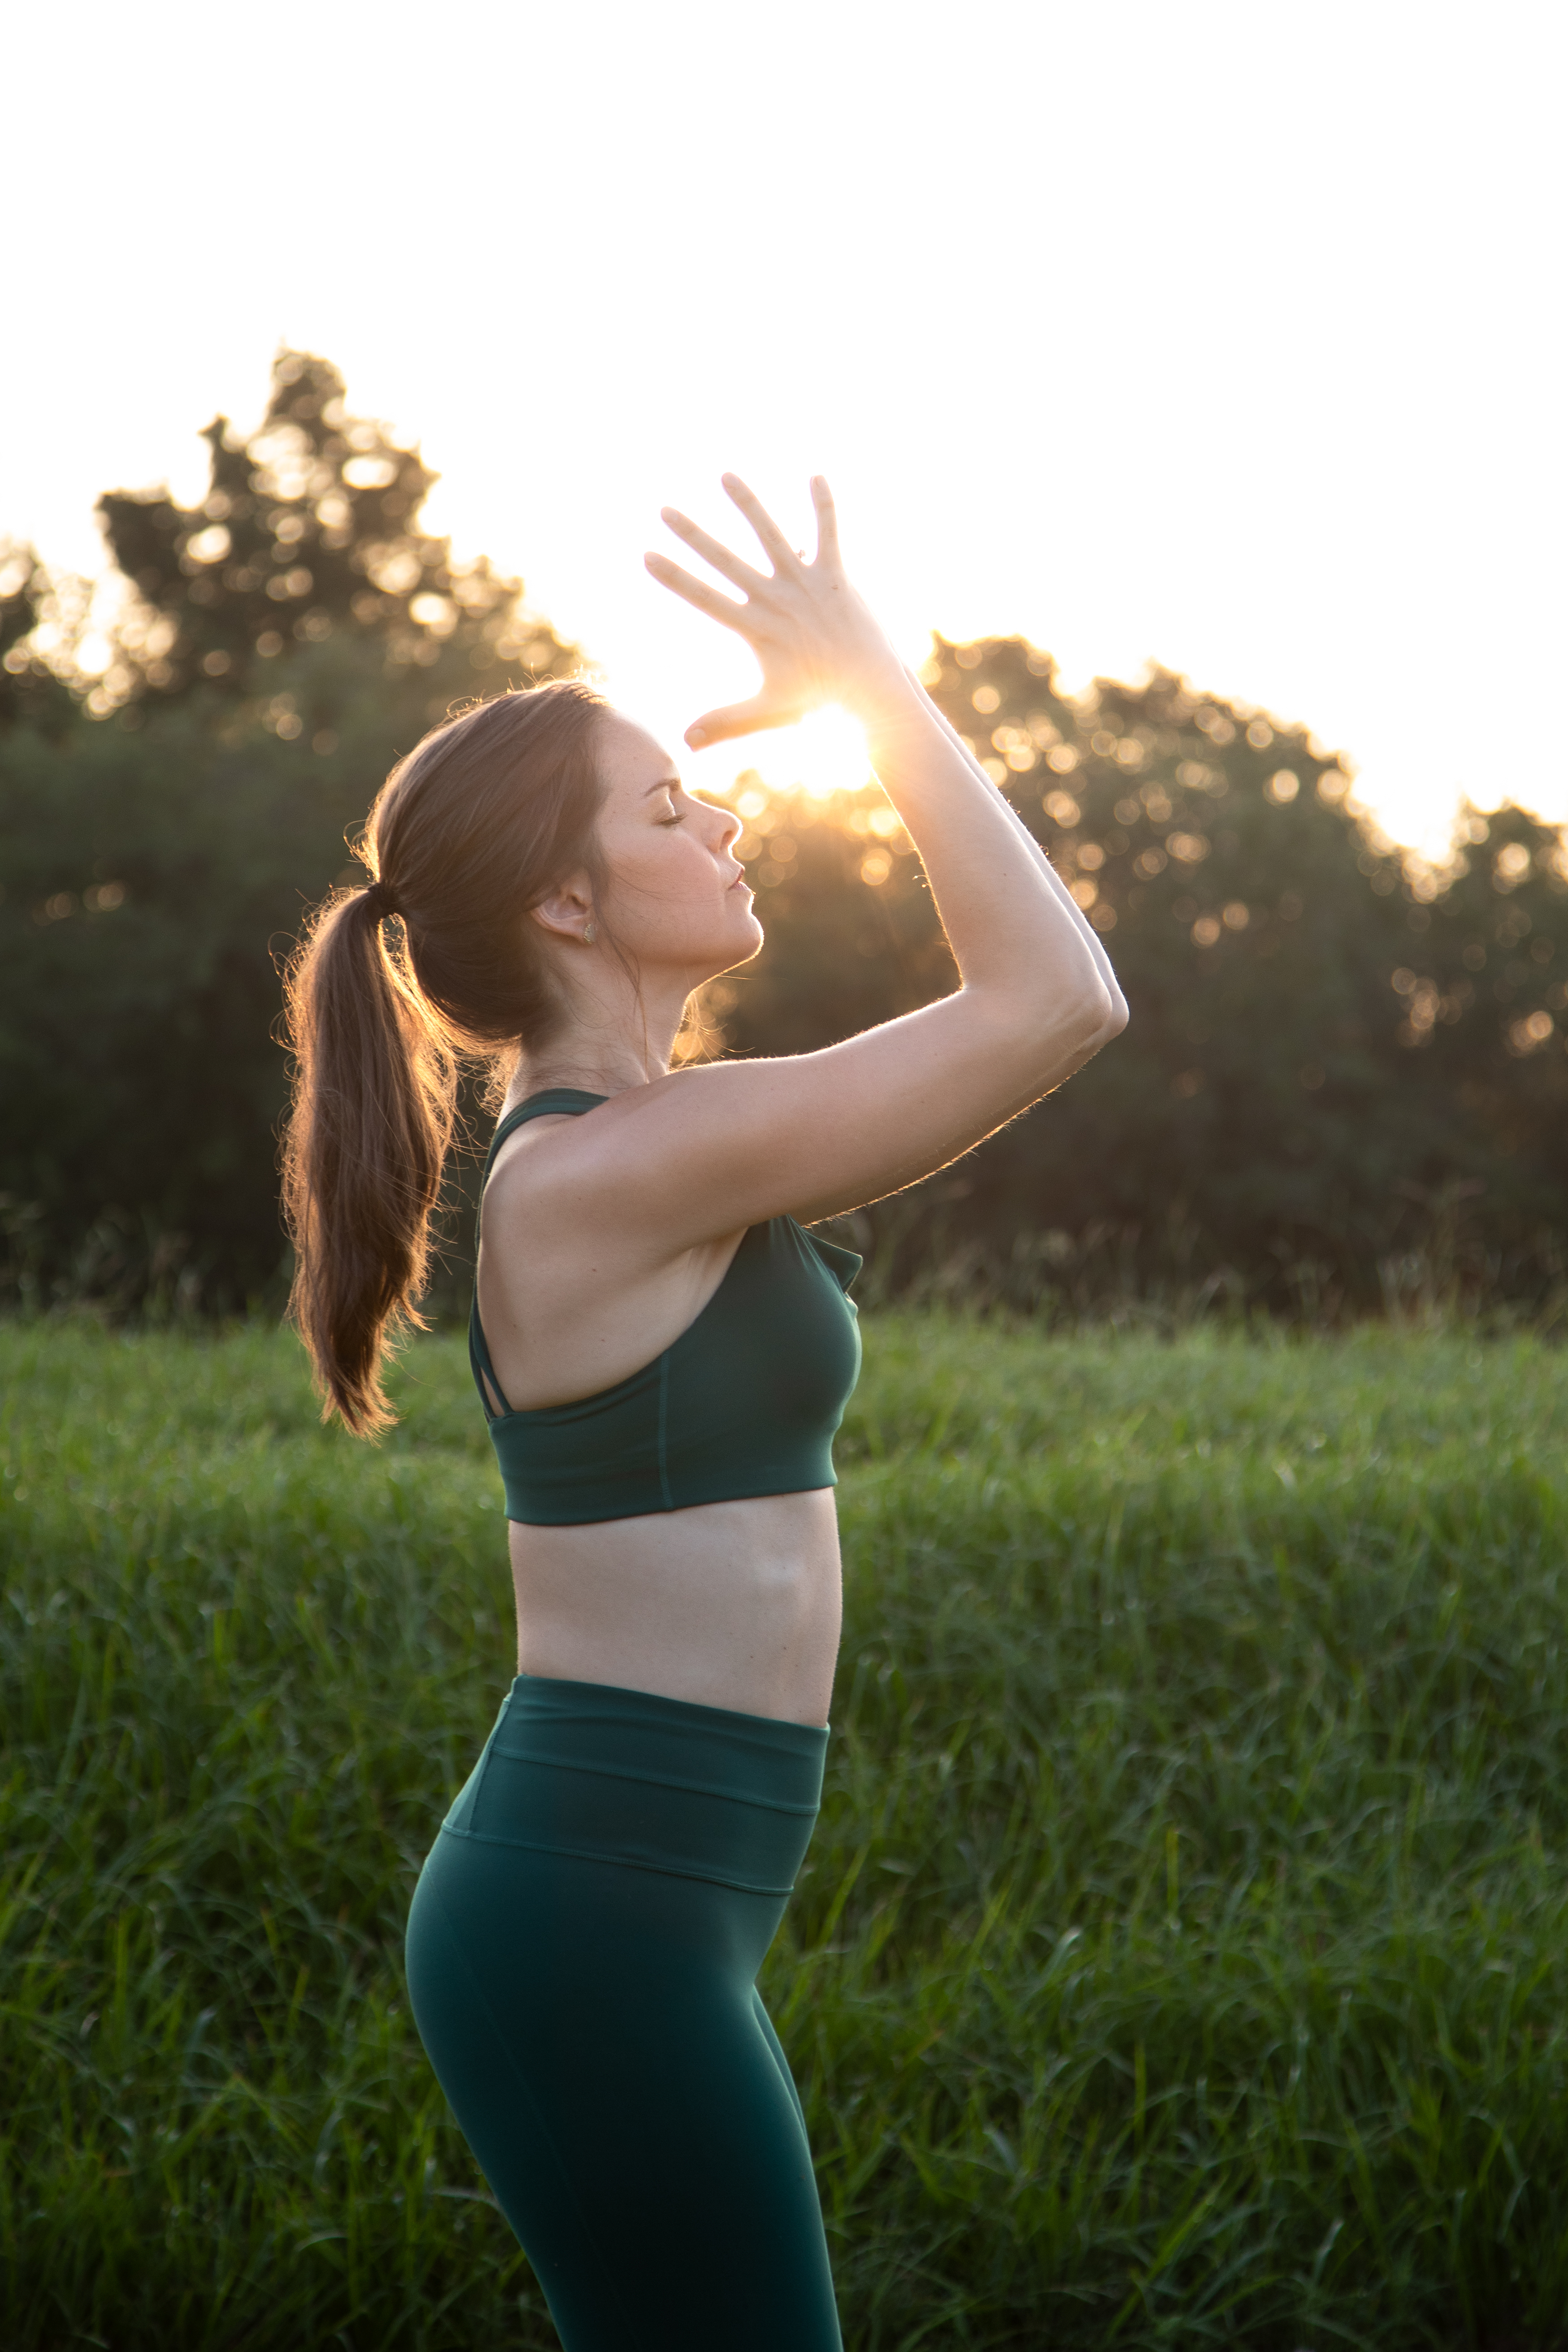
{"type": "Point", "coordinates": [696, 737]}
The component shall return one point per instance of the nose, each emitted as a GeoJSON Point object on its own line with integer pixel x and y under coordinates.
{"type": "Point", "coordinates": [730, 827]}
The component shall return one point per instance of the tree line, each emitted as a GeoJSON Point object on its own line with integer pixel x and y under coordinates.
{"type": "Point", "coordinates": [1343, 1084]}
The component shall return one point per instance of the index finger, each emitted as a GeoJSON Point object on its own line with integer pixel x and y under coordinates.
{"type": "Point", "coordinates": [707, 600]}
{"type": "Point", "coordinates": [711, 550]}
{"type": "Point", "coordinates": [784, 554]}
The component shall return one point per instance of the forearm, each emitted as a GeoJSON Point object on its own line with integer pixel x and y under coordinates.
{"type": "Point", "coordinates": [1035, 849]}
{"type": "Point", "coordinates": [1013, 927]}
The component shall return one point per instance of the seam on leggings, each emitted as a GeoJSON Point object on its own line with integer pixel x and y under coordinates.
{"type": "Point", "coordinates": [633, 2336]}
{"type": "Point", "coordinates": [616, 1861]}
{"type": "Point", "coordinates": [474, 1788]}
{"type": "Point", "coordinates": [656, 1780]}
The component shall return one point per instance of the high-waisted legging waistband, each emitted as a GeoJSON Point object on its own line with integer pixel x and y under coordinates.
{"type": "Point", "coordinates": [583, 1953]}
{"type": "Point", "coordinates": [626, 1776]}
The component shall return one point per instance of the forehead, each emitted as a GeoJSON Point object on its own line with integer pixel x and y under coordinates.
{"type": "Point", "coordinates": [631, 761]}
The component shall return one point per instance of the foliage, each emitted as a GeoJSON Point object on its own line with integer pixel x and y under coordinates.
{"type": "Point", "coordinates": [310, 529]}
{"type": "Point", "coordinates": [1180, 1960]}
{"type": "Point", "coordinates": [156, 860]}
{"type": "Point", "coordinates": [1345, 1080]}
{"type": "Point", "coordinates": [1344, 1072]}
{"type": "Point", "coordinates": [31, 692]}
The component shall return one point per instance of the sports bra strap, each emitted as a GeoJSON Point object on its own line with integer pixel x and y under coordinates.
{"type": "Point", "coordinates": [552, 1100]}
{"type": "Point", "coordinates": [552, 1103]}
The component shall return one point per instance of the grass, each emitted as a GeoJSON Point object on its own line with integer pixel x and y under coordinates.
{"type": "Point", "coordinates": [1182, 1955]}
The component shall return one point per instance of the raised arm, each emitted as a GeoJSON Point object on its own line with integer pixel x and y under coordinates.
{"type": "Point", "coordinates": [734, 1142]}
{"type": "Point", "coordinates": [1096, 946]}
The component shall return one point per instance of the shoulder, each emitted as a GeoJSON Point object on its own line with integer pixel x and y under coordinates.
{"type": "Point", "coordinates": [639, 1183]}
{"type": "Point", "coordinates": [571, 1189]}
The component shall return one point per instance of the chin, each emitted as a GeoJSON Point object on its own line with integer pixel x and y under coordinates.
{"type": "Point", "coordinates": [741, 942]}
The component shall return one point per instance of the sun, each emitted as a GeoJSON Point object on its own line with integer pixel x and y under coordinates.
{"type": "Point", "coordinates": [827, 753]}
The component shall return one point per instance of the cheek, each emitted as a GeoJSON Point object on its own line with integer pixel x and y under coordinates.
{"type": "Point", "coordinates": [653, 882]}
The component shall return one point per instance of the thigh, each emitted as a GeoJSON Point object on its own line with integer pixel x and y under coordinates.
{"type": "Point", "coordinates": [598, 2033]}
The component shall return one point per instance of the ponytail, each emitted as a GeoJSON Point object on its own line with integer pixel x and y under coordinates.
{"type": "Point", "coordinates": [363, 1162]}
{"type": "Point", "coordinates": [479, 821]}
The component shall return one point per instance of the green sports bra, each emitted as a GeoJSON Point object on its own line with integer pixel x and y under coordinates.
{"type": "Point", "coordinates": [745, 1402]}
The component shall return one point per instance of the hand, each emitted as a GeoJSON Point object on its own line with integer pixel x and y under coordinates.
{"type": "Point", "coordinates": [813, 637]}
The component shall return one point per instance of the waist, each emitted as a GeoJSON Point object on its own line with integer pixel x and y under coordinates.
{"type": "Point", "coordinates": [602, 1772]}
{"type": "Point", "coordinates": [733, 1605]}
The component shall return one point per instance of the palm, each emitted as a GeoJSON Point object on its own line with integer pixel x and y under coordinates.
{"type": "Point", "coordinates": [813, 638]}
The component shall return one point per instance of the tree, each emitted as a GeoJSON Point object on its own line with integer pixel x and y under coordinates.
{"type": "Point", "coordinates": [31, 692]}
{"type": "Point", "coordinates": [310, 530]}
{"type": "Point", "coordinates": [1345, 1075]}
{"type": "Point", "coordinates": [1278, 1116]}
{"type": "Point", "coordinates": [161, 840]}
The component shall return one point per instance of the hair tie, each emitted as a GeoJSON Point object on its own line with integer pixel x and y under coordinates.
{"type": "Point", "coordinates": [378, 899]}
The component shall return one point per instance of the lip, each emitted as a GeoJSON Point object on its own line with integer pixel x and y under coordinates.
{"type": "Point", "coordinates": [740, 883]}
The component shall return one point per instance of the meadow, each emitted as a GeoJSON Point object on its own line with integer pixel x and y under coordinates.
{"type": "Point", "coordinates": [1182, 1958]}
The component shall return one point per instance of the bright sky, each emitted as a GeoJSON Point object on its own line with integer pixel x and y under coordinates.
{"type": "Point", "coordinates": [1229, 334]}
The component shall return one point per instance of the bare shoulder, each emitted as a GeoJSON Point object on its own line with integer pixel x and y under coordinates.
{"type": "Point", "coordinates": [578, 1285]}
{"type": "Point", "coordinates": [661, 1168]}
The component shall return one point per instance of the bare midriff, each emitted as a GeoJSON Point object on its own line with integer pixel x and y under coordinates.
{"type": "Point", "coordinates": [735, 1605]}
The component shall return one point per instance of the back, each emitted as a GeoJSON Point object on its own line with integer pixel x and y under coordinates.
{"type": "Point", "coordinates": [745, 1402]}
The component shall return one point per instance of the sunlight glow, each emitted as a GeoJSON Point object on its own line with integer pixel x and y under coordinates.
{"type": "Point", "coordinates": [827, 753]}
{"type": "Point", "coordinates": [1329, 580]}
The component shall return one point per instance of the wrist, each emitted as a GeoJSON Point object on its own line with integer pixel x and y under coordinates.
{"type": "Point", "coordinates": [888, 703]}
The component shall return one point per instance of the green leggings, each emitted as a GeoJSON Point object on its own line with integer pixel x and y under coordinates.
{"type": "Point", "coordinates": [583, 1950]}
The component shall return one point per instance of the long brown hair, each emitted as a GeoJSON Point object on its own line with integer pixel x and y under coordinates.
{"type": "Point", "coordinates": [470, 831]}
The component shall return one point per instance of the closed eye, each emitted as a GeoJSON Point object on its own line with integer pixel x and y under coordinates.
{"type": "Point", "coordinates": [669, 786]}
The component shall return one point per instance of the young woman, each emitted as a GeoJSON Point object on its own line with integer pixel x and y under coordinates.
{"type": "Point", "coordinates": [664, 1352]}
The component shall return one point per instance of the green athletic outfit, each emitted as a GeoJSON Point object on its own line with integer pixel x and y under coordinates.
{"type": "Point", "coordinates": [584, 1938]}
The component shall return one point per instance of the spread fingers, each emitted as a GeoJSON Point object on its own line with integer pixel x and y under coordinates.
{"type": "Point", "coordinates": [711, 550]}
{"type": "Point", "coordinates": [786, 557]}
{"type": "Point", "coordinates": [722, 609]}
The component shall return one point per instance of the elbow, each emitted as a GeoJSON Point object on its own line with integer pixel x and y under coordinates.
{"type": "Point", "coordinates": [1100, 1014]}
{"type": "Point", "coordinates": [1060, 1031]}
{"type": "Point", "coordinates": [1113, 1018]}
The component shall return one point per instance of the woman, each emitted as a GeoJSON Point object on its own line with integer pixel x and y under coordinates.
{"type": "Point", "coordinates": [664, 1355]}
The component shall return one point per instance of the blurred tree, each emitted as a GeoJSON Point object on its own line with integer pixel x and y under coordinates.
{"type": "Point", "coordinates": [1478, 1002]}
{"type": "Point", "coordinates": [841, 954]}
{"type": "Point", "coordinates": [310, 530]}
{"type": "Point", "coordinates": [31, 691]}
{"type": "Point", "coordinates": [161, 840]}
{"type": "Point", "coordinates": [1345, 1075]}
{"type": "Point", "coordinates": [1277, 1114]}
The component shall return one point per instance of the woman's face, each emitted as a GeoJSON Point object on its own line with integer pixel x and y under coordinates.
{"type": "Point", "coordinates": [677, 895]}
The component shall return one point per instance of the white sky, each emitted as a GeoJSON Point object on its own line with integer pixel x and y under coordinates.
{"type": "Point", "coordinates": [1229, 334]}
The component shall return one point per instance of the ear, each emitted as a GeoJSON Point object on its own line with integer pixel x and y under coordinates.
{"type": "Point", "coordinates": [567, 908]}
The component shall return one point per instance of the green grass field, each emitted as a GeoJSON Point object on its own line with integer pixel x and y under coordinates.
{"type": "Point", "coordinates": [1182, 1955]}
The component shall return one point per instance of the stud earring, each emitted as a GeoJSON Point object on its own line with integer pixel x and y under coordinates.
{"type": "Point", "coordinates": [590, 933]}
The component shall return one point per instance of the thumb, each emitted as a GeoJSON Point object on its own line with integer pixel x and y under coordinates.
{"type": "Point", "coordinates": [737, 719]}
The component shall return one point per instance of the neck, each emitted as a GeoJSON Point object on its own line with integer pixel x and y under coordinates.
{"type": "Point", "coordinates": [600, 1057]}
{"type": "Point", "coordinates": [548, 1071]}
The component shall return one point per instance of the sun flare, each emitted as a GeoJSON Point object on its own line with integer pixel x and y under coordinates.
{"type": "Point", "coordinates": [826, 754]}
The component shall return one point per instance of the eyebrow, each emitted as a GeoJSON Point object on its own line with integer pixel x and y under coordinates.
{"type": "Point", "coordinates": [666, 784]}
